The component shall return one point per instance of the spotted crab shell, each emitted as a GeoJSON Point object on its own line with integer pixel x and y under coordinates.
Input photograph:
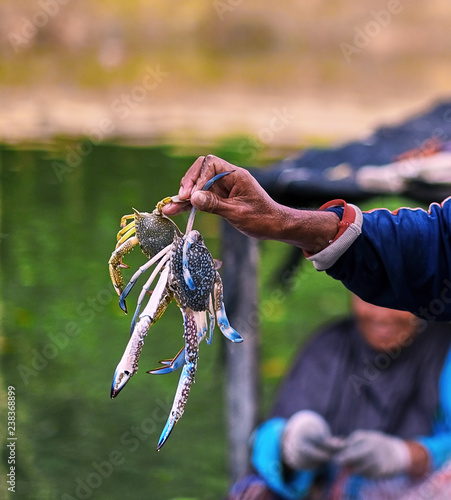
{"type": "Point", "coordinates": [155, 231]}
{"type": "Point", "coordinates": [202, 269]}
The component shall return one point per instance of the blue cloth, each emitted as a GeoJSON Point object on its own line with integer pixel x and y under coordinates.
{"type": "Point", "coordinates": [439, 443]}
{"type": "Point", "coordinates": [266, 458]}
{"type": "Point", "coordinates": [402, 260]}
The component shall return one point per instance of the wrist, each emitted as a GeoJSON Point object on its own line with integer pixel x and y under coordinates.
{"type": "Point", "coordinates": [307, 229]}
{"type": "Point", "coordinates": [419, 459]}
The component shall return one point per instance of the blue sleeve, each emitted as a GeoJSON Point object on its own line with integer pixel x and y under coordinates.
{"type": "Point", "coordinates": [439, 444]}
{"type": "Point", "coordinates": [267, 460]}
{"type": "Point", "coordinates": [402, 260]}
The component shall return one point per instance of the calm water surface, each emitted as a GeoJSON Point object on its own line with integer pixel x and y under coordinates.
{"type": "Point", "coordinates": [63, 334]}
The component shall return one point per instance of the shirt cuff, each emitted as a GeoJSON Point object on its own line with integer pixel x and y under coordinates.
{"type": "Point", "coordinates": [349, 228]}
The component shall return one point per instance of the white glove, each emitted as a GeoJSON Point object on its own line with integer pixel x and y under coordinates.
{"type": "Point", "coordinates": [374, 454]}
{"type": "Point", "coordinates": [307, 441]}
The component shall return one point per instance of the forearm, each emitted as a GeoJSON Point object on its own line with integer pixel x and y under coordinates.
{"type": "Point", "coordinates": [310, 230]}
{"type": "Point", "coordinates": [263, 218]}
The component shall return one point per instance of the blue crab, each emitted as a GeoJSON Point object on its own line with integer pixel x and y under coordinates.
{"type": "Point", "coordinates": [189, 275]}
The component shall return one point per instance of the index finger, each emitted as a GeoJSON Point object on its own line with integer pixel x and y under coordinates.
{"type": "Point", "coordinates": [189, 180]}
{"type": "Point", "coordinates": [197, 176]}
{"type": "Point", "coordinates": [211, 167]}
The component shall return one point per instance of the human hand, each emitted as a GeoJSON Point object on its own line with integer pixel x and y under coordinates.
{"type": "Point", "coordinates": [374, 454]}
{"type": "Point", "coordinates": [240, 199]}
{"type": "Point", "coordinates": [237, 197]}
{"type": "Point", "coordinates": [307, 441]}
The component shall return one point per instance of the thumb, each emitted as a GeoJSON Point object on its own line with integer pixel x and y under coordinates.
{"type": "Point", "coordinates": [207, 202]}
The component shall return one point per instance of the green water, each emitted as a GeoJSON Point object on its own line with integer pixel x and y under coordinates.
{"type": "Point", "coordinates": [63, 333]}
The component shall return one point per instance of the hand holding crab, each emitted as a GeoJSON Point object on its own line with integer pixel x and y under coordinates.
{"type": "Point", "coordinates": [188, 275]}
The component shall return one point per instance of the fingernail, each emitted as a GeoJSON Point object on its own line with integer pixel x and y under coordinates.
{"type": "Point", "coordinates": [183, 193]}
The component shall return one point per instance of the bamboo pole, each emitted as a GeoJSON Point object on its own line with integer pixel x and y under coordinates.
{"type": "Point", "coordinates": [239, 273]}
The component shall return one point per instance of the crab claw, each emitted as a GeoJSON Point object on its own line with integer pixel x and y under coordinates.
{"type": "Point", "coordinates": [224, 325]}
{"type": "Point", "coordinates": [221, 315]}
{"type": "Point", "coordinates": [186, 379]}
{"type": "Point", "coordinates": [128, 365]}
{"type": "Point", "coordinates": [121, 377]}
{"type": "Point", "coordinates": [210, 183]}
{"type": "Point", "coordinates": [170, 365]}
{"type": "Point", "coordinates": [125, 292]}
{"type": "Point", "coordinates": [166, 433]}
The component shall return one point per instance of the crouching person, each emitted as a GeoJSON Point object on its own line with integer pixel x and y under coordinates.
{"type": "Point", "coordinates": [364, 413]}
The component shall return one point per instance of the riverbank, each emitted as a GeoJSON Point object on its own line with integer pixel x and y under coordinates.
{"type": "Point", "coordinates": [137, 116]}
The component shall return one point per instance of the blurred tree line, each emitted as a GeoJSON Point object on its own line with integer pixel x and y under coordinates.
{"type": "Point", "coordinates": [96, 43]}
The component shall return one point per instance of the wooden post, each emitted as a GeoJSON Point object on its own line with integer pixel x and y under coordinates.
{"type": "Point", "coordinates": [239, 273]}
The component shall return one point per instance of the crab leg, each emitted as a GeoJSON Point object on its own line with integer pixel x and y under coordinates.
{"type": "Point", "coordinates": [115, 263]}
{"type": "Point", "coordinates": [186, 272]}
{"type": "Point", "coordinates": [212, 322]}
{"type": "Point", "coordinates": [205, 187]}
{"type": "Point", "coordinates": [125, 227]}
{"type": "Point", "coordinates": [221, 315]}
{"type": "Point", "coordinates": [189, 226]}
{"type": "Point", "coordinates": [124, 219]}
{"type": "Point", "coordinates": [186, 377]}
{"type": "Point", "coordinates": [138, 273]}
{"type": "Point", "coordinates": [125, 234]}
{"type": "Point", "coordinates": [146, 288]}
{"type": "Point", "coordinates": [170, 365]}
{"type": "Point", "coordinates": [156, 306]}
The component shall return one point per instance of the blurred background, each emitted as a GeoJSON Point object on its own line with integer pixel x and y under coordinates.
{"type": "Point", "coordinates": [338, 67]}
{"type": "Point", "coordinates": [104, 105]}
